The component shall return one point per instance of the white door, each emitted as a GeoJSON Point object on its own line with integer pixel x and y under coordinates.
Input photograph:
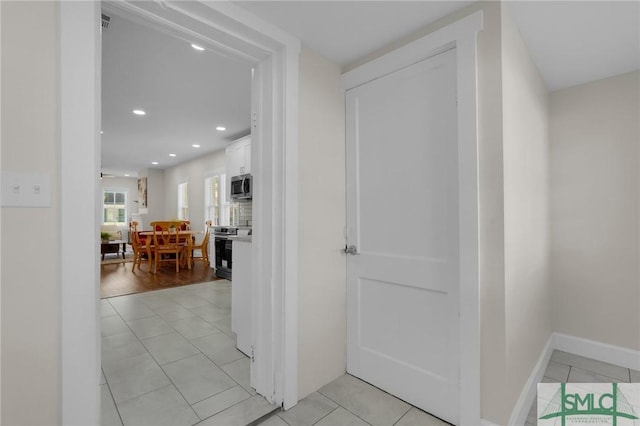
{"type": "Point", "coordinates": [402, 218]}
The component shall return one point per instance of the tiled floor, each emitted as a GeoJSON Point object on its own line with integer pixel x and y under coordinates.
{"type": "Point", "coordinates": [169, 358]}
{"type": "Point", "coordinates": [348, 401]}
{"type": "Point", "coordinates": [565, 367]}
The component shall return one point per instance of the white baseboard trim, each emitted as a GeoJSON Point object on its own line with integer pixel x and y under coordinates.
{"type": "Point", "coordinates": [604, 352]}
{"type": "Point", "coordinates": [530, 389]}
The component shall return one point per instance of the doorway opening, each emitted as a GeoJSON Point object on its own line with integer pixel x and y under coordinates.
{"type": "Point", "coordinates": [274, 124]}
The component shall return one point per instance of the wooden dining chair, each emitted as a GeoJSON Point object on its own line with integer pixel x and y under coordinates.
{"type": "Point", "coordinates": [167, 245]}
{"type": "Point", "coordinates": [140, 251]}
{"type": "Point", "coordinates": [202, 247]}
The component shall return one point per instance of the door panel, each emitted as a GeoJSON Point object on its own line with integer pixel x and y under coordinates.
{"type": "Point", "coordinates": [402, 214]}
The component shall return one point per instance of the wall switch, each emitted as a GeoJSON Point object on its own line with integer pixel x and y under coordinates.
{"type": "Point", "coordinates": [24, 190]}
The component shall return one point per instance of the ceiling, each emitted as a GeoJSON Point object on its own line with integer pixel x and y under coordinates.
{"type": "Point", "coordinates": [187, 93]}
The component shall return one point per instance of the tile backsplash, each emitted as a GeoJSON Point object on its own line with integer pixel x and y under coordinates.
{"type": "Point", "coordinates": [245, 213]}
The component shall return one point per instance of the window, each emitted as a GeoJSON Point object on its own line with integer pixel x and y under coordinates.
{"type": "Point", "coordinates": [183, 201]}
{"type": "Point", "coordinates": [212, 199]}
{"type": "Point", "coordinates": [216, 207]}
{"type": "Point", "coordinates": [114, 207]}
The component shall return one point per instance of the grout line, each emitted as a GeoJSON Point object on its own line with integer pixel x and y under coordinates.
{"type": "Point", "coordinates": [171, 295]}
{"type": "Point", "coordinates": [343, 407]}
{"type": "Point", "coordinates": [402, 416]}
{"type": "Point", "coordinates": [320, 419]}
{"type": "Point", "coordinates": [106, 382]}
{"type": "Point", "coordinates": [264, 417]}
{"type": "Point", "coordinates": [285, 420]}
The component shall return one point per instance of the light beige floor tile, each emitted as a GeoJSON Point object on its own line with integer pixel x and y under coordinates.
{"type": "Point", "coordinates": [108, 413]}
{"type": "Point", "coordinates": [106, 310]}
{"type": "Point", "coordinates": [366, 401]}
{"type": "Point", "coordinates": [242, 413]}
{"type": "Point", "coordinates": [135, 376]}
{"type": "Point", "coordinates": [121, 346]}
{"type": "Point", "coordinates": [113, 325]}
{"type": "Point", "coordinates": [211, 312]}
{"type": "Point", "coordinates": [341, 417]}
{"type": "Point", "coordinates": [190, 302]}
{"type": "Point", "coordinates": [219, 402]}
{"type": "Point", "coordinates": [149, 327]}
{"type": "Point", "coordinates": [164, 406]}
{"type": "Point", "coordinates": [219, 347]}
{"type": "Point", "coordinates": [155, 301]}
{"type": "Point", "coordinates": [169, 347]}
{"type": "Point", "coordinates": [192, 328]}
{"type": "Point", "coordinates": [309, 411]}
{"type": "Point", "coordinates": [197, 378]}
{"type": "Point", "coordinates": [240, 372]}
{"type": "Point", "coordinates": [557, 371]}
{"type": "Point", "coordinates": [174, 313]}
{"type": "Point", "coordinates": [415, 417]}
{"type": "Point", "coordinates": [224, 325]}
{"type": "Point", "coordinates": [578, 375]}
{"type": "Point", "coordinates": [592, 365]}
{"type": "Point", "coordinates": [273, 421]}
{"type": "Point", "coordinates": [131, 309]}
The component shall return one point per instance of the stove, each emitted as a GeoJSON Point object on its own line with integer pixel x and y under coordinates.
{"type": "Point", "coordinates": [221, 231]}
{"type": "Point", "coordinates": [222, 246]}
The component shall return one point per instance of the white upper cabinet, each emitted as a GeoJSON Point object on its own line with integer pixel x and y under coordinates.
{"type": "Point", "coordinates": [239, 157]}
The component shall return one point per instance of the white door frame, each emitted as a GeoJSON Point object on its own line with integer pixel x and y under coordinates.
{"type": "Point", "coordinates": [229, 30]}
{"type": "Point", "coordinates": [462, 36]}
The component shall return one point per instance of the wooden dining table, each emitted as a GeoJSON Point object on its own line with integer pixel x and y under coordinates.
{"type": "Point", "coordinates": [188, 234]}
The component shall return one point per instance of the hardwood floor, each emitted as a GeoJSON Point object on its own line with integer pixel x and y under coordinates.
{"type": "Point", "coordinates": [117, 279]}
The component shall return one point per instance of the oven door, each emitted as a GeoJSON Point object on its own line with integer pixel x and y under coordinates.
{"type": "Point", "coordinates": [223, 247]}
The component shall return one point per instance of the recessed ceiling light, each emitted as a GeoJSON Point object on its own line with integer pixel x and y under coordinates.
{"type": "Point", "coordinates": [101, 132]}
{"type": "Point", "coordinates": [127, 175]}
{"type": "Point", "coordinates": [195, 145]}
{"type": "Point", "coordinates": [221, 128]}
{"type": "Point", "coordinates": [155, 163]}
{"type": "Point", "coordinates": [196, 47]}
{"type": "Point", "coordinates": [172, 155]}
{"type": "Point", "coordinates": [139, 112]}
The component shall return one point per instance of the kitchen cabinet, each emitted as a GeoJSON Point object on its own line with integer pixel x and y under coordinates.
{"type": "Point", "coordinates": [241, 294]}
{"type": "Point", "coordinates": [238, 161]}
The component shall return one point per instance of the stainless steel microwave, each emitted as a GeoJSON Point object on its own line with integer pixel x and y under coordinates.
{"type": "Point", "coordinates": [241, 187]}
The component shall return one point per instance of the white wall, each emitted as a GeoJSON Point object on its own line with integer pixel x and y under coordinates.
{"type": "Point", "coordinates": [322, 267]}
{"type": "Point", "coordinates": [525, 120]}
{"type": "Point", "coordinates": [594, 210]}
{"type": "Point", "coordinates": [156, 194]}
{"type": "Point", "coordinates": [30, 238]}
{"type": "Point", "coordinates": [194, 172]}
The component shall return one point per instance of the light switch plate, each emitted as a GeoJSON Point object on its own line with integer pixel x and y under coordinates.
{"type": "Point", "coordinates": [25, 189]}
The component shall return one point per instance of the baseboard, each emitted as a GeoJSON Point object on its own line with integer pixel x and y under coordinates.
{"type": "Point", "coordinates": [530, 390]}
{"type": "Point", "coordinates": [604, 352]}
